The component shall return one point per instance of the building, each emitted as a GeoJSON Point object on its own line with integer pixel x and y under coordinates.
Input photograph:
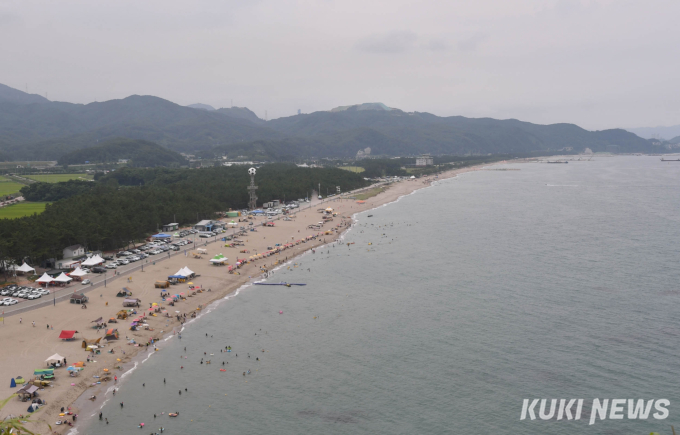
{"type": "Point", "coordinates": [73, 251]}
{"type": "Point", "coordinates": [424, 160]}
{"type": "Point", "coordinates": [170, 227]}
{"type": "Point", "coordinates": [208, 225]}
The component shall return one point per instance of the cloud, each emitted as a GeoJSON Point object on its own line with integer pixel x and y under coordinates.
{"type": "Point", "coordinates": [387, 43]}
{"type": "Point", "coordinates": [471, 43]}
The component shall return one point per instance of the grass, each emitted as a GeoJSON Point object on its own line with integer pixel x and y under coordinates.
{"type": "Point", "coordinates": [369, 193]}
{"type": "Point", "coordinates": [357, 169]}
{"type": "Point", "coordinates": [8, 187]}
{"type": "Point", "coordinates": [22, 209]}
{"type": "Point", "coordinates": [56, 178]}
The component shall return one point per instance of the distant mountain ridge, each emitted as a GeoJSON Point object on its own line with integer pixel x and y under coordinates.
{"type": "Point", "coordinates": [140, 153]}
{"type": "Point", "coordinates": [660, 132]}
{"type": "Point", "coordinates": [34, 128]}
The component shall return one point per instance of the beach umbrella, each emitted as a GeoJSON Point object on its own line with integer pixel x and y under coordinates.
{"type": "Point", "coordinates": [191, 283]}
{"type": "Point", "coordinates": [118, 359]}
{"type": "Point", "coordinates": [154, 304]}
{"type": "Point", "coordinates": [71, 369]}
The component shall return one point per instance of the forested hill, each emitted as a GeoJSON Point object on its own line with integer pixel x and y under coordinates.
{"type": "Point", "coordinates": [130, 203]}
{"type": "Point", "coordinates": [34, 128]}
{"type": "Point", "coordinates": [140, 153]}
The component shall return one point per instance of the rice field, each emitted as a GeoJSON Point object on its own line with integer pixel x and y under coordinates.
{"type": "Point", "coordinates": [22, 209]}
{"type": "Point", "coordinates": [357, 169]}
{"type": "Point", "coordinates": [56, 178]}
{"type": "Point", "coordinates": [8, 187]}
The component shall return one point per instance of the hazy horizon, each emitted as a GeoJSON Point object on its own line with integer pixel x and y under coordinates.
{"type": "Point", "coordinates": [598, 64]}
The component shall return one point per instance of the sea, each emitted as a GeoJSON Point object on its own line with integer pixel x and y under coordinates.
{"type": "Point", "coordinates": [441, 313]}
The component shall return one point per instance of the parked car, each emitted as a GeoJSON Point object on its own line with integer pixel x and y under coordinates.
{"type": "Point", "coordinates": [99, 269]}
{"type": "Point", "coordinates": [112, 266]}
{"type": "Point", "coordinates": [86, 282]}
{"type": "Point", "coordinates": [123, 262]}
{"type": "Point", "coordinates": [9, 301]}
{"type": "Point", "coordinates": [32, 296]}
{"type": "Point", "coordinates": [175, 248]}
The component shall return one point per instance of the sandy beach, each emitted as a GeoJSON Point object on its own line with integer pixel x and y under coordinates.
{"type": "Point", "coordinates": [26, 346]}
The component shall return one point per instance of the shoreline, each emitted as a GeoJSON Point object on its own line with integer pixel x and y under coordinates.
{"type": "Point", "coordinates": [75, 396]}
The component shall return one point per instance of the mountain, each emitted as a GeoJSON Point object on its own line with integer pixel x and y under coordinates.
{"type": "Point", "coordinates": [140, 153]}
{"type": "Point", "coordinates": [660, 132]}
{"type": "Point", "coordinates": [47, 130]}
{"type": "Point", "coordinates": [15, 96]}
{"type": "Point", "coordinates": [34, 128]}
{"type": "Point", "coordinates": [363, 106]}
{"type": "Point", "coordinates": [241, 113]}
{"type": "Point", "coordinates": [201, 106]}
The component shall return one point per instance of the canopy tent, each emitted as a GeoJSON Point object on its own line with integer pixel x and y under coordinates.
{"type": "Point", "coordinates": [67, 335]}
{"type": "Point", "coordinates": [93, 261]}
{"type": "Point", "coordinates": [63, 278]}
{"type": "Point", "coordinates": [45, 278]}
{"type": "Point", "coordinates": [24, 268]}
{"type": "Point", "coordinates": [180, 273]}
{"type": "Point", "coordinates": [176, 277]}
{"type": "Point", "coordinates": [161, 236]}
{"type": "Point", "coordinates": [78, 272]}
{"type": "Point", "coordinates": [187, 271]}
{"type": "Point", "coordinates": [56, 357]}
{"type": "Point", "coordinates": [219, 259]}
{"type": "Point", "coordinates": [202, 251]}
{"type": "Point", "coordinates": [111, 333]}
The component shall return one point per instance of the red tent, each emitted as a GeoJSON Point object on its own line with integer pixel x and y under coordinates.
{"type": "Point", "coordinates": [67, 335]}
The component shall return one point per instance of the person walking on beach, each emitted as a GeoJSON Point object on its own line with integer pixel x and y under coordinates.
{"type": "Point", "coordinates": [34, 323]}
{"type": "Point", "coordinates": [20, 320]}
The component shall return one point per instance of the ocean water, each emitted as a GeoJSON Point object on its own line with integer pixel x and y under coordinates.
{"type": "Point", "coordinates": [452, 306]}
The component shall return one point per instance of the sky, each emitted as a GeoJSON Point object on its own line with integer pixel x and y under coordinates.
{"type": "Point", "coordinates": [596, 63]}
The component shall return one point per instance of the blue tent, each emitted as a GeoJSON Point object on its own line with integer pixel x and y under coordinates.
{"type": "Point", "coordinates": [161, 236]}
{"type": "Point", "coordinates": [13, 384]}
{"type": "Point", "coordinates": [176, 276]}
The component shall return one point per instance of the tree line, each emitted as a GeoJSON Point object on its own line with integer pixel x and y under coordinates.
{"type": "Point", "coordinates": [130, 204]}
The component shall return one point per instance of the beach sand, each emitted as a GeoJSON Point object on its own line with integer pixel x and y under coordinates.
{"type": "Point", "coordinates": [25, 347]}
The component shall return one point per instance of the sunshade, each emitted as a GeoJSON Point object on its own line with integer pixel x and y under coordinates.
{"type": "Point", "coordinates": [55, 357]}
{"type": "Point", "coordinates": [25, 268]}
{"type": "Point", "coordinates": [45, 278]}
{"type": "Point", "coordinates": [78, 272]}
{"type": "Point", "coordinates": [97, 321]}
{"type": "Point", "coordinates": [67, 334]}
{"type": "Point", "coordinates": [63, 278]}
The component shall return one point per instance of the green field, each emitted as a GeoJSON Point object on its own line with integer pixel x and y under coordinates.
{"type": "Point", "coordinates": [22, 209]}
{"type": "Point", "coordinates": [8, 187]}
{"type": "Point", "coordinates": [357, 169]}
{"type": "Point", "coordinates": [56, 178]}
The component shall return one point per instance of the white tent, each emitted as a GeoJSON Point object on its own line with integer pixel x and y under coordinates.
{"type": "Point", "coordinates": [63, 278]}
{"type": "Point", "coordinates": [186, 271]}
{"type": "Point", "coordinates": [25, 268]}
{"type": "Point", "coordinates": [54, 358]}
{"type": "Point", "coordinates": [93, 261]}
{"type": "Point", "coordinates": [78, 272]}
{"type": "Point", "coordinates": [181, 273]}
{"type": "Point", "coordinates": [45, 278]}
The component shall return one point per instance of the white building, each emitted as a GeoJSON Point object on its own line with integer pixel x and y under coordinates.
{"type": "Point", "coordinates": [424, 160]}
{"type": "Point", "coordinates": [73, 251]}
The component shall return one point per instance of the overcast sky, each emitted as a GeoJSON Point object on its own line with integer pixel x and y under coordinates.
{"type": "Point", "coordinates": [596, 63]}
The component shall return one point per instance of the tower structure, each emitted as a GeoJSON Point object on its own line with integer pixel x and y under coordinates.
{"type": "Point", "coordinates": [252, 204]}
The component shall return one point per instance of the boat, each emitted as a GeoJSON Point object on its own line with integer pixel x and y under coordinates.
{"type": "Point", "coordinates": [669, 160]}
{"type": "Point", "coordinates": [556, 162]}
{"type": "Point", "coordinates": [370, 215]}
